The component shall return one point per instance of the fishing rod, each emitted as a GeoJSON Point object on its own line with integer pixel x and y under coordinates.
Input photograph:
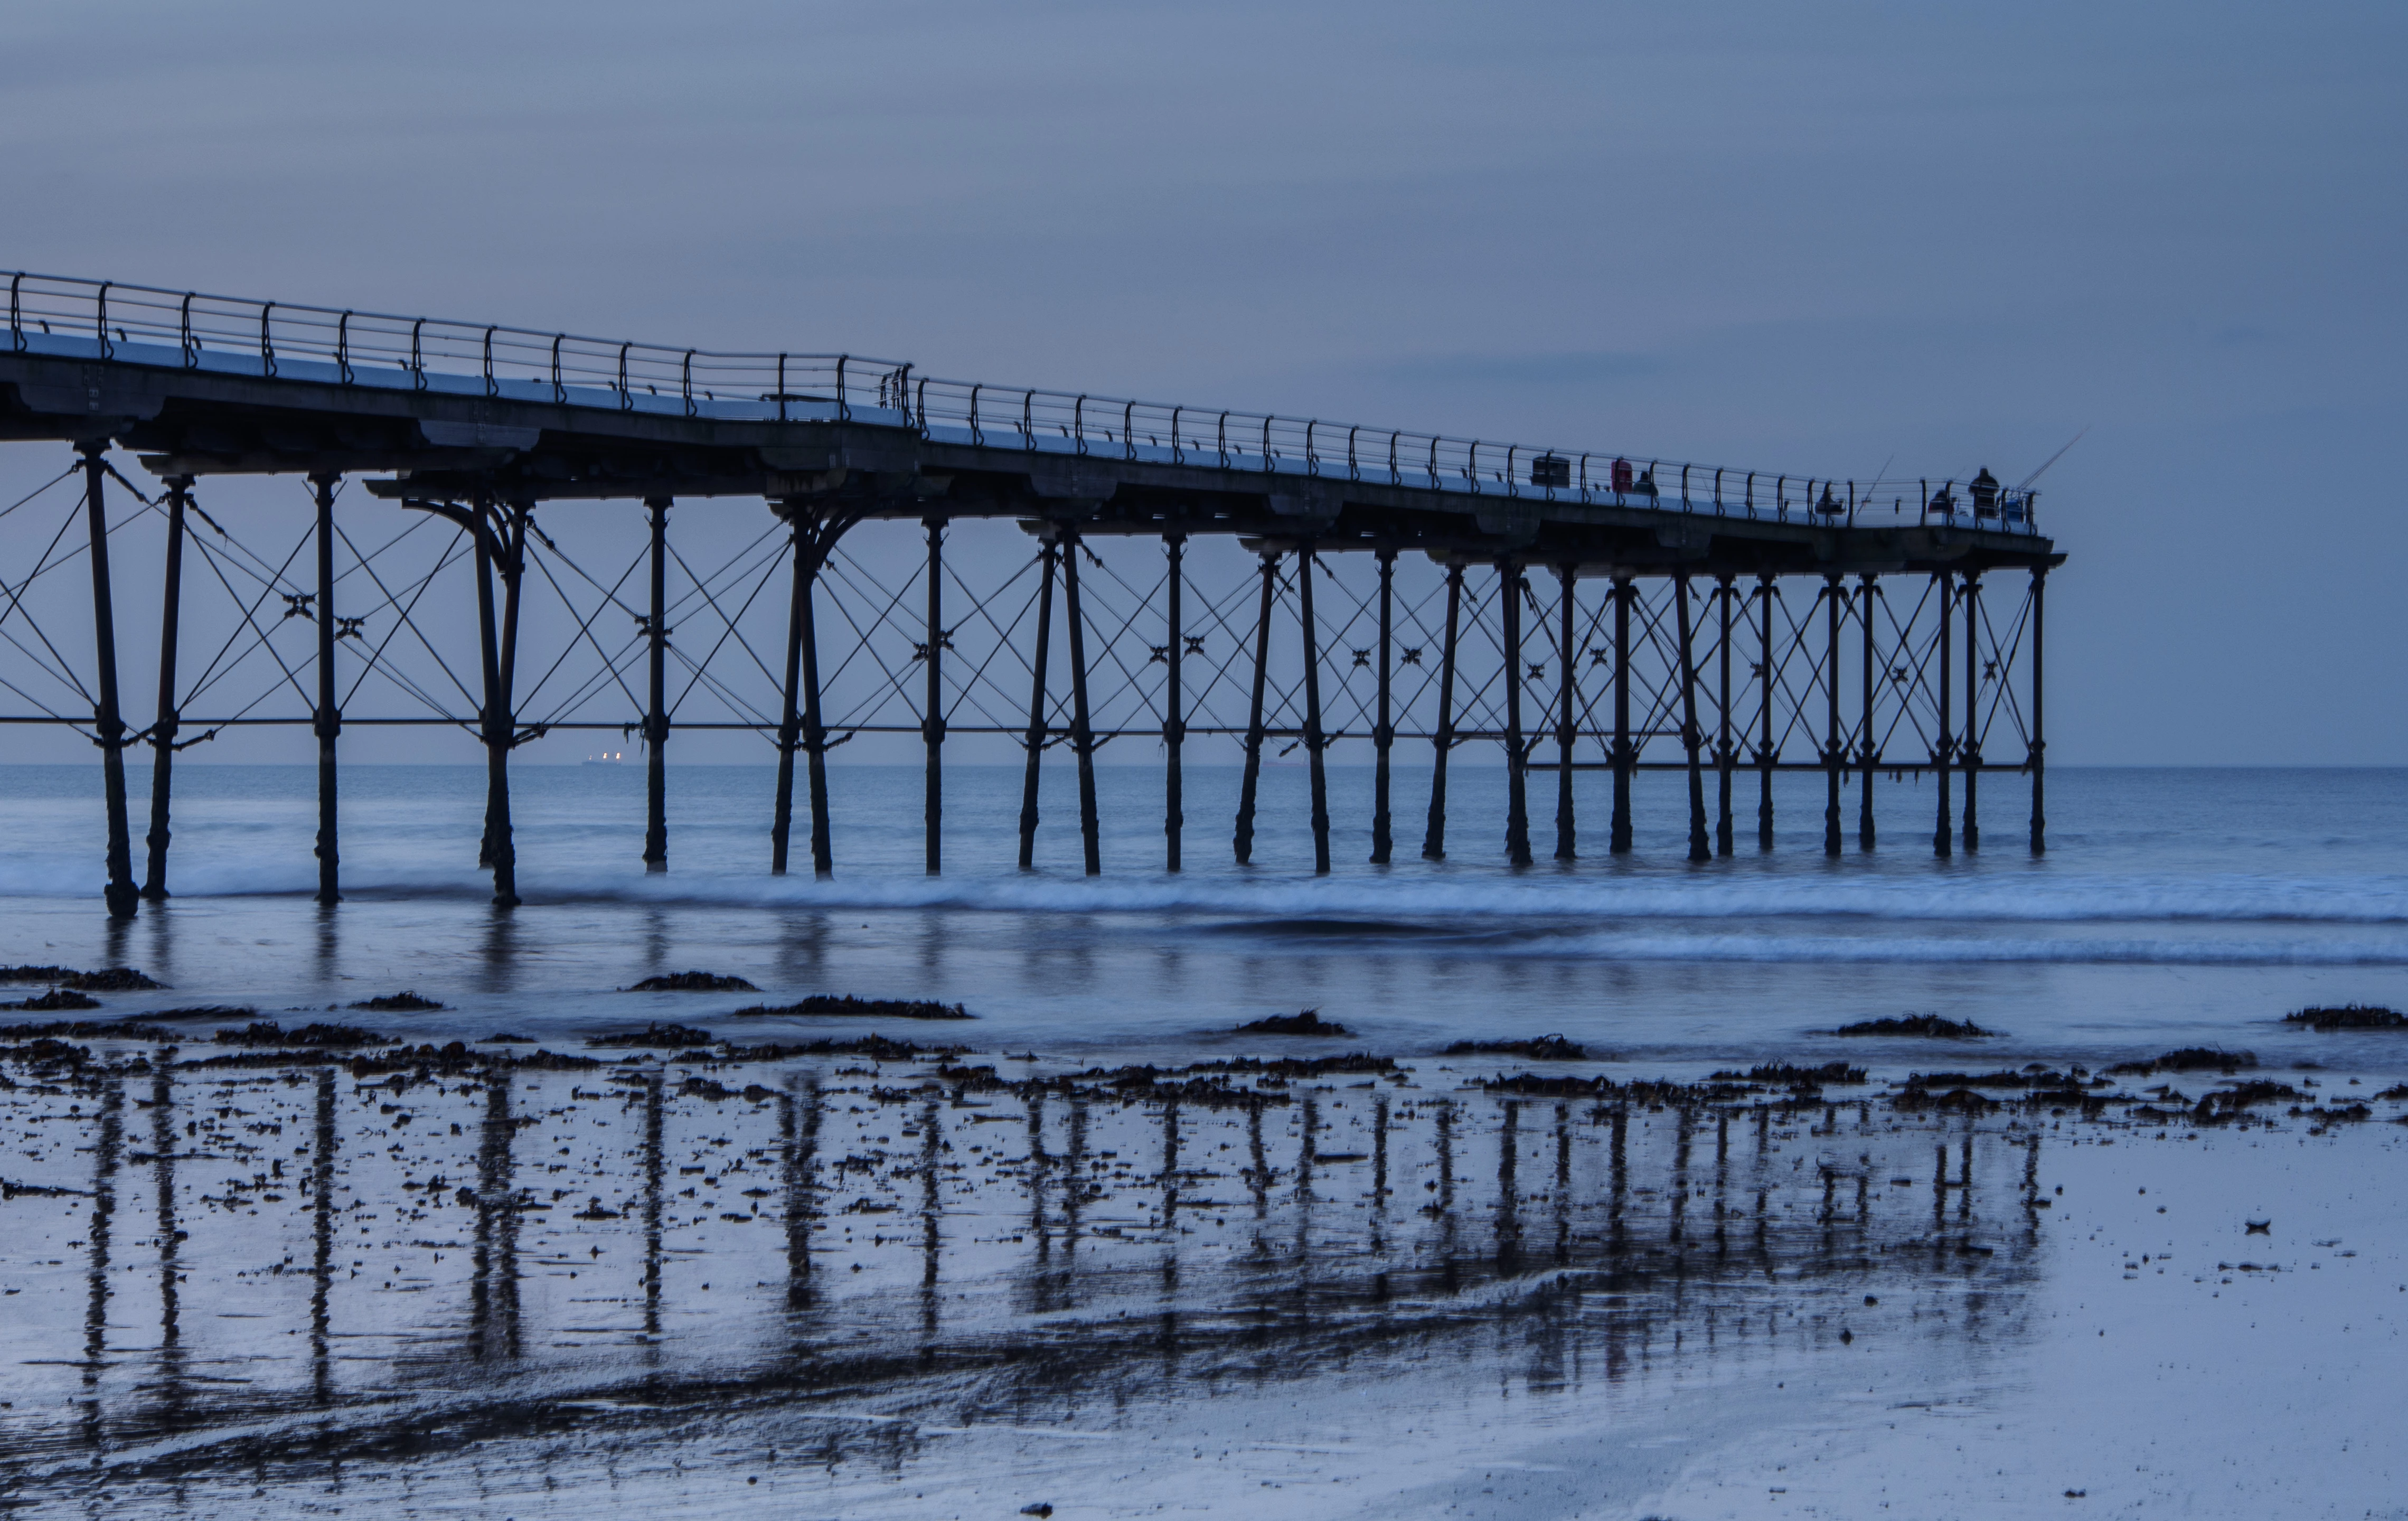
{"type": "Point", "coordinates": [2053, 459]}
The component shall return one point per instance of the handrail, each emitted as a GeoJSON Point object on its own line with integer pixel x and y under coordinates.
{"type": "Point", "coordinates": [141, 324]}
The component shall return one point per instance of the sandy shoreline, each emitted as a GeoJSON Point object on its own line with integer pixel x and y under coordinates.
{"type": "Point", "coordinates": [236, 1276]}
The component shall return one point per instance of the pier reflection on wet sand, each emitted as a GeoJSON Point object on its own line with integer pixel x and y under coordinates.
{"type": "Point", "coordinates": [305, 1268]}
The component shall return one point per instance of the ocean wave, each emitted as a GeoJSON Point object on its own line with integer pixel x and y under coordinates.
{"type": "Point", "coordinates": [1959, 949]}
{"type": "Point", "coordinates": [1453, 902]}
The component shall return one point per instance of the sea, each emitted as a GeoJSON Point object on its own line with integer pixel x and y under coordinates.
{"type": "Point", "coordinates": [1094, 1252]}
{"type": "Point", "coordinates": [2172, 907]}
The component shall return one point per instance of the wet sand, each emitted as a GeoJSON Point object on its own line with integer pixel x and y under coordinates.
{"type": "Point", "coordinates": [753, 1280]}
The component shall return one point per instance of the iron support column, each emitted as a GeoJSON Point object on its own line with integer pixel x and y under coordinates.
{"type": "Point", "coordinates": [479, 519]}
{"type": "Point", "coordinates": [1968, 754]}
{"type": "Point", "coordinates": [1765, 754]}
{"type": "Point", "coordinates": [1313, 740]}
{"type": "Point", "coordinates": [1867, 752]}
{"type": "Point", "coordinates": [489, 654]}
{"type": "Point", "coordinates": [790, 723]}
{"type": "Point", "coordinates": [2038, 742]}
{"type": "Point", "coordinates": [1625, 753]}
{"type": "Point", "coordinates": [1244, 841]}
{"type": "Point", "coordinates": [1517, 798]}
{"type": "Point", "coordinates": [1434, 837]}
{"type": "Point", "coordinates": [163, 733]}
{"type": "Point", "coordinates": [513, 568]}
{"type": "Point", "coordinates": [815, 743]}
{"type": "Point", "coordinates": [1082, 737]}
{"type": "Point", "coordinates": [1036, 713]}
{"type": "Point", "coordinates": [1946, 743]}
{"type": "Point", "coordinates": [932, 723]}
{"type": "Point", "coordinates": [1567, 715]}
{"type": "Point", "coordinates": [1174, 724]}
{"type": "Point", "coordinates": [1383, 730]}
{"type": "Point", "coordinates": [109, 721]}
{"type": "Point", "coordinates": [656, 716]}
{"type": "Point", "coordinates": [1692, 737]}
{"type": "Point", "coordinates": [328, 720]}
{"type": "Point", "coordinates": [1835, 592]}
{"type": "Point", "coordinates": [1724, 754]}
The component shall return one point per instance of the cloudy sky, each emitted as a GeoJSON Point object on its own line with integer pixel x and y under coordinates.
{"type": "Point", "coordinates": [1811, 238]}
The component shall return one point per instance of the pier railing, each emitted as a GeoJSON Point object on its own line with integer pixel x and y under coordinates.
{"type": "Point", "coordinates": [144, 324]}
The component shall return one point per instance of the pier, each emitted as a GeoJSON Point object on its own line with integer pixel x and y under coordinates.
{"type": "Point", "coordinates": [1545, 611]}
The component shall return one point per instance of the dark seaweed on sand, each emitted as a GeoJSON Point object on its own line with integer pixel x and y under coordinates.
{"type": "Point", "coordinates": [455, 1058]}
{"type": "Point", "coordinates": [1546, 1048]}
{"type": "Point", "coordinates": [108, 980]}
{"type": "Point", "coordinates": [88, 1029]}
{"type": "Point", "coordinates": [1308, 1023]}
{"type": "Point", "coordinates": [269, 1033]}
{"type": "Point", "coordinates": [399, 1003]}
{"type": "Point", "coordinates": [1930, 1026]}
{"type": "Point", "coordinates": [2226, 1104]}
{"type": "Point", "coordinates": [2191, 1059]}
{"type": "Point", "coordinates": [1299, 1066]}
{"type": "Point", "coordinates": [875, 1047]}
{"type": "Point", "coordinates": [1953, 1101]}
{"type": "Point", "coordinates": [692, 981]}
{"type": "Point", "coordinates": [57, 1001]}
{"type": "Point", "coordinates": [1787, 1076]}
{"type": "Point", "coordinates": [1644, 1091]}
{"type": "Point", "coordinates": [675, 1036]}
{"type": "Point", "coordinates": [847, 1005]}
{"type": "Point", "coordinates": [2349, 1016]}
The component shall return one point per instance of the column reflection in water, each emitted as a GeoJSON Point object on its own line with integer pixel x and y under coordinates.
{"type": "Point", "coordinates": [1639, 1280]}
{"type": "Point", "coordinates": [1509, 1215]}
{"type": "Point", "coordinates": [1684, 1126]}
{"type": "Point", "coordinates": [163, 1174]}
{"type": "Point", "coordinates": [932, 1241]}
{"type": "Point", "coordinates": [1170, 1234]}
{"type": "Point", "coordinates": [493, 1297]}
{"type": "Point", "coordinates": [1563, 1189]}
{"type": "Point", "coordinates": [1722, 1184]}
{"type": "Point", "coordinates": [798, 1142]}
{"type": "Point", "coordinates": [109, 1135]}
{"type": "Point", "coordinates": [652, 1172]}
{"type": "Point", "coordinates": [322, 1234]}
{"type": "Point", "coordinates": [1445, 1205]}
{"type": "Point", "coordinates": [1379, 1181]}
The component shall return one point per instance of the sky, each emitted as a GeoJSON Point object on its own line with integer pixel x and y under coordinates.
{"type": "Point", "coordinates": [1811, 238]}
